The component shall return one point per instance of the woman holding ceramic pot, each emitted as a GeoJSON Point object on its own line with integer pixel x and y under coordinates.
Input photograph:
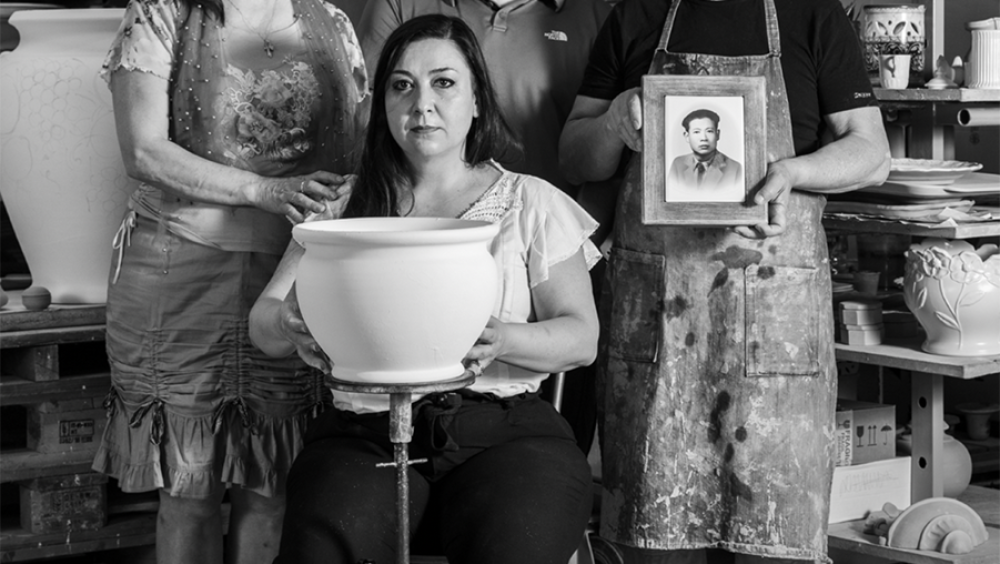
{"type": "Point", "coordinates": [238, 117]}
{"type": "Point", "coordinates": [505, 481]}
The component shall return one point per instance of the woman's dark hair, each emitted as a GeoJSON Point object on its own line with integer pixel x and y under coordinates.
{"type": "Point", "coordinates": [383, 165]}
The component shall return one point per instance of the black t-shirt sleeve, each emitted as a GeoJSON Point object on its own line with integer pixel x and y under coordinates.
{"type": "Point", "coordinates": [842, 80]}
{"type": "Point", "coordinates": [601, 79]}
{"type": "Point", "coordinates": [624, 48]}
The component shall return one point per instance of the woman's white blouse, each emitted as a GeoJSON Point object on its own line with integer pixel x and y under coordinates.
{"type": "Point", "coordinates": [539, 226]}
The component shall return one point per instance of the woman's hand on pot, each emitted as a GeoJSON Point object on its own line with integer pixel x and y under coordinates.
{"type": "Point", "coordinates": [334, 208]}
{"type": "Point", "coordinates": [296, 196]}
{"type": "Point", "coordinates": [293, 327]}
{"type": "Point", "coordinates": [488, 346]}
{"type": "Point", "coordinates": [775, 192]}
{"type": "Point", "coordinates": [624, 118]}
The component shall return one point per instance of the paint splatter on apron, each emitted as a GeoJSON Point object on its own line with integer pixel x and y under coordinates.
{"type": "Point", "coordinates": [719, 374]}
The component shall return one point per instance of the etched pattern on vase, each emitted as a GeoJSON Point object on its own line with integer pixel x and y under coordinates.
{"type": "Point", "coordinates": [894, 30]}
{"type": "Point", "coordinates": [63, 180]}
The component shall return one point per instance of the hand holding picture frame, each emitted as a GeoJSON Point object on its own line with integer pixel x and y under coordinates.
{"type": "Point", "coordinates": [704, 150]}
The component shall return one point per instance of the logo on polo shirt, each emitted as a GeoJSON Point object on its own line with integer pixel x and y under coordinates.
{"type": "Point", "coordinates": [556, 36]}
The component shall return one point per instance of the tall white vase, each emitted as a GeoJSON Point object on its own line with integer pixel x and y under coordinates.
{"type": "Point", "coordinates": [61, 171]}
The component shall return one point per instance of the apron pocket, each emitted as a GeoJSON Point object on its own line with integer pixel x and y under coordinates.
{"type": "Point", "coordinates": [636, 306]}
{"type": "Point", "coordinates": [782, 306]}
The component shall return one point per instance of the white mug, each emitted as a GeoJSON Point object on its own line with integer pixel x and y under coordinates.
{"type": "Point", "coordinates": [894, 71]}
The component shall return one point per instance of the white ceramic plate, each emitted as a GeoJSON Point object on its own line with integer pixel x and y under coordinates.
{"type": "Point", "coordinates": [910, 191]}
{"type": "Point", "coordinates": [975, 183]}
{"type": "Point", "coordinates": [930, 171]}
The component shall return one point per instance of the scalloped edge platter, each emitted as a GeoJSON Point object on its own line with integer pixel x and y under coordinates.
{"type": "Point", "coordinates": [930, 171]}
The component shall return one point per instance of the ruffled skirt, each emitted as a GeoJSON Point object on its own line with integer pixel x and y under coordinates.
{"type": "Point", "coordinates": [193, 403]}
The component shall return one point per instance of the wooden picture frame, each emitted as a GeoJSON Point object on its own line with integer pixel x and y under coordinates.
{"type": "Point", "coordinates": [683, 186]}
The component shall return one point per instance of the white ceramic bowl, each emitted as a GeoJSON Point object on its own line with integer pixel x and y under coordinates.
{"type": "Point", "coordinates": [396, 300]}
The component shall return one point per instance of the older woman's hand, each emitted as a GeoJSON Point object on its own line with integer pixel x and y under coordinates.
{"type": "Point", "coordinates": [293, 327]}
{"type": "Point", "coordinates": [296, 196]}
{"type": "Point", "coordinates": [334, 209]}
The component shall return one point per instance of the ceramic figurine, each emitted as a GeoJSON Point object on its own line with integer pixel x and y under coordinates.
{"type": "Point", "coordinates": [944, 76]}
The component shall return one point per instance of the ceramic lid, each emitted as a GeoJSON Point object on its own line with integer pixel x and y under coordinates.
{"type": "Point", "coordinates": [989, 23]}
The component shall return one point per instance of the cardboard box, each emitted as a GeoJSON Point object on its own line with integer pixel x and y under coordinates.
{"type": "Point", "coordinates": [872, 432]}
{"type": "Point", "coordinates": [860, 489]}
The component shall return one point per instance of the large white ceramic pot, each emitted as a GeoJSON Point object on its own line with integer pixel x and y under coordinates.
{"type": "Point", "coordinates": [953, 289]}
{"type": "Point", "coordinates": [9, 38]}
{"type": "Point", "coordinates": [396, 300]}
{"type": "Point", "coordinates": [61, 172]}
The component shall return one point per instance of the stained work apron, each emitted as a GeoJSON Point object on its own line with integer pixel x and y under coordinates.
{"type": "Point", "coordinates": [719, 371]}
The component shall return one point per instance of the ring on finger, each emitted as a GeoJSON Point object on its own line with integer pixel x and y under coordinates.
{"type": "Point", "coordinates": [302, 186]}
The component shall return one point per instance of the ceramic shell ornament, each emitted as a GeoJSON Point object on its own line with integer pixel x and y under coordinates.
{"type": "Point", "coordinates": [396, 300]}
{"type": "Point", "coordinates": [953, 289]}
{"type": "Point", "coordinates": [938, 524]}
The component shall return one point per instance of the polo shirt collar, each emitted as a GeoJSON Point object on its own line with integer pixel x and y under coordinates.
{"type": "Point", "coordinates": [555, 5]}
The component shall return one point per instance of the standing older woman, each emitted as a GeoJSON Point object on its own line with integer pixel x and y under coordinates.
{"type": "Point", "coordinates": [237, 117]}
{"type": "Point", "coordinates": [505, 481]}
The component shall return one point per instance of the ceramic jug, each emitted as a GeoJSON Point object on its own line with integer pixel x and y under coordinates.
{"type": "Point", "coordinates": [396, 300]}
{"type": "Point", "coordinates": [955, 456]}
{"type": "Point", "coordinates": [61, 172]}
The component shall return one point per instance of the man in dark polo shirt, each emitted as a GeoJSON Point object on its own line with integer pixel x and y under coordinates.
{"type": "Point", "coordinates": [536, 51]}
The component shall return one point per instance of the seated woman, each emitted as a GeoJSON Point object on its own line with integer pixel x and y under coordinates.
{"type": "Point", "coordinates": [505, 481]}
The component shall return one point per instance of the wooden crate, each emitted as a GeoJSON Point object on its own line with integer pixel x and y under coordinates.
{"type": "Point", "coordinates": [54, 368]}
{"type": "Point", "coordinates": [58, 504]}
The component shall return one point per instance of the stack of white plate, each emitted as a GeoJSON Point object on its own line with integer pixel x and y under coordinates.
{"type": "Point", "coordinates": [925, 181]}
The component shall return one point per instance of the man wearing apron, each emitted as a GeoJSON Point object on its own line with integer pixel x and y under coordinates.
{"type": "Point", "coordinates": [718, 369]}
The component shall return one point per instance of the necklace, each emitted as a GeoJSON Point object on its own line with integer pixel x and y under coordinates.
{"type": "Point", "coordinates": [265, 37]}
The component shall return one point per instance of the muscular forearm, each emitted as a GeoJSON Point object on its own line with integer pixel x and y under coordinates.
{"type": "Point", "coordinates": [588, 151]}
{"type": "Point", "coordinates": [857, 159]}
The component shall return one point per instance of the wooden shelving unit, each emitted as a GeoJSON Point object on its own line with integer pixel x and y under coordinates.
{"type": "Point", "coordinates": [927, 373]}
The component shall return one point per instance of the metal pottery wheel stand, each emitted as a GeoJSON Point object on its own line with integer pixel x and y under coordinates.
{"type": "Point", "coordinates": [400, 434]}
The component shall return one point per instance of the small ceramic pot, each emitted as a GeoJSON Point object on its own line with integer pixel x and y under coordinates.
{"type": "Point", "coordinates": [396, 300]}
{"type": "Point", "coordinates": [953, 290]}
{"type": "Point", "coordinates": [955, 456]}
{"type": "Point", "coordinates": [896, 29]}
{"type": "Point", "coordinates": [977, 419]}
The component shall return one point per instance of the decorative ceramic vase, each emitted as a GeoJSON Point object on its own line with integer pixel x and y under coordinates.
{"type": "Point", "coordinates": [396, 300]}
{"type": "Point", "coordinates": [61, 172]}
{"type": "Point", "coordinates": [957, 470]}
{"type": "Point", "coordinates": [894, 29]}
{"type": "Point", "coordinates": [977, 419]}
{"type": "Point", "coordinates": [984, 54]}
{"type": "Point", "coordinates": [953, 290]}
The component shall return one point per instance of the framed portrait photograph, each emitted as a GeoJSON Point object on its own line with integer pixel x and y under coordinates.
{"type": "Point", "coordinates": [704, 150]}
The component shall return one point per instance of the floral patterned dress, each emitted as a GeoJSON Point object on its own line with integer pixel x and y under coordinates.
{"type": "Point", "coordinates": [193, 403]}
